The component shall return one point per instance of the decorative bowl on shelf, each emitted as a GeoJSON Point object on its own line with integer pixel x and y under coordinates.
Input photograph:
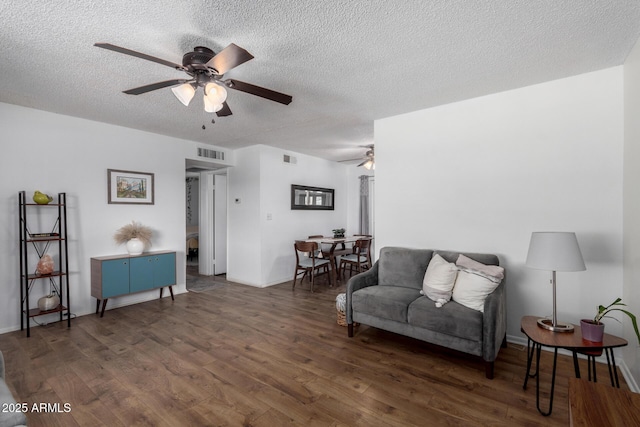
{"type": "Point", "coordinates": [41, 198]}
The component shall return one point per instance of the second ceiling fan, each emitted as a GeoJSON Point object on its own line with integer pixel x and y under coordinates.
{"type": "Point", "coordinates": [368, 161]}
{"type": "Point", "coordinates": [205, 69]}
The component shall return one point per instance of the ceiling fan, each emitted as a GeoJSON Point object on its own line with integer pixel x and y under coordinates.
{"type": "Point", "coordinates": [368, 159]}
{"type": "Point", "coordinates": [205, 69]}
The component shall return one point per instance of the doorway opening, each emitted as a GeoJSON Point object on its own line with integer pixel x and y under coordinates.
{"type": "Point", "coordinates": [206, 223]}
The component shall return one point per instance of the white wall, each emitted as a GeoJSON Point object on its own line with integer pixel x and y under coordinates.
{"type": "Point", "coordinates": [481, 175]}
{"type": "Point", "coordinates": [54, 153]}
{"type": "Point", "coordinates": [631, 295]}
{"type": "Point", "coordinates": [244, 235]}
{"type": "Point", "coordinates": [261, 249]}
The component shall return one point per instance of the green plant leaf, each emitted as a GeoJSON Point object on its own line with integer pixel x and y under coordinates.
{"type": "Point", "coordinates": [603, 311]}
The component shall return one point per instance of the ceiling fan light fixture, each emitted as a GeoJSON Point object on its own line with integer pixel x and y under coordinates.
{"type": "Point", "coordinates": [184, 93]}
{"type": "Point", "coordinates": [210, 107]}
{"type": "Point", "coordinates": [369, 164]}
{"type": "Point", "coordinates": [215, 93]}
{"type": "Point", "coordinates": [205, 69]}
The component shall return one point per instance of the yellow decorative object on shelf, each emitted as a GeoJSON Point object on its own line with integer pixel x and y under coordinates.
{"type": "Point", "coordinates": [41, 198]}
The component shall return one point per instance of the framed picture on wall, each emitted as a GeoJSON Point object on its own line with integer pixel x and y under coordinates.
{"type": "Point", "coordinates": [130, 187]}
{"type": "Point", "coordinates": [311, 198]}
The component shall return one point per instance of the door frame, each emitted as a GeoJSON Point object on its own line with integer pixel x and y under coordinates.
{"type": "Point", "coordinates": [206, 225]}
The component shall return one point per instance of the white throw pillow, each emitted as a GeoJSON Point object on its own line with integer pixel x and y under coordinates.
{"type": "Point", "coordinates": [439, 280]}
{"type": "Point", "coordinates": [494, 272]}
{"type": "Point", "coordinates": [471, 289]}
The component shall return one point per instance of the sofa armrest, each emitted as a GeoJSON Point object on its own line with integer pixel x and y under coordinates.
{"type": "Point", "coordinates": [1, 366]}
{"type": "Point", "coordinates": [8, 417]}
{"type": "Point", "coordinates": [494, 323]}
{"type": "Point", "coordinates": [359, 281]}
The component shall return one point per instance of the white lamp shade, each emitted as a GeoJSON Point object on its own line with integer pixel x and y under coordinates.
{"type": "Point", "coordinates": [555, 251]}
{"type": "Point", "coordinates": [184, 93]}
{"type": "Point", "coordinates": [215, 93]}
{"type": "Point", "coordinates": [210, 107]}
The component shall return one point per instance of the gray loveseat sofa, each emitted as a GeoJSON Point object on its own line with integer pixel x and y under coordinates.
{"type": "Point", "coordinates": [388, 297]}
{"type": "Point", "coordinates": [8, 415]}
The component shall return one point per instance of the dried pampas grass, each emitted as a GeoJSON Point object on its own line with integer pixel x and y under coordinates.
{"type": "Point", "coordinates": [135, 229]}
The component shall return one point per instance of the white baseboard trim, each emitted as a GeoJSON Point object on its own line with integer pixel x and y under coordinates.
{"type": "Point", "coordinates": [622, 367]}
{"type": "Point", "coordinates": [628, 377]}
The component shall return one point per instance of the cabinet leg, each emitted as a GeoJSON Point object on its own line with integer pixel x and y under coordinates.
{"type": "Point", "coordinates": [97, 306]}
{"type": "Point", "coordinates": [170, 290]}
{"type": "Point", "coordinates": [104, 305]}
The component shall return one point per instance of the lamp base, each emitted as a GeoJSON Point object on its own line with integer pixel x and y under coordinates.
{"type": "Point", "coordinates": [558, 327]}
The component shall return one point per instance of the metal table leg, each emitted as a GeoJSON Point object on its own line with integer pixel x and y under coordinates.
{"type": "Point", "coordinates": [576, 366]}
{"type": "Point", "coordinates": [530, 350]}
{"type": "Point", "coordinates": [591, 361]}
{"type": "Point", "coordinates": [612, 366]}
{"type": "Point", "coordinates": [553, 380]}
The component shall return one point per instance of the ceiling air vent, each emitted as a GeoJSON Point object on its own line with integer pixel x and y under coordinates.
{"type": "Point", "coordinates": [289, 159]}
{"type": "Point", "coordinates": [210, 154]}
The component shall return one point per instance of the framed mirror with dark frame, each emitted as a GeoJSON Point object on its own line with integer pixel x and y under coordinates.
{"type": "Point", "coordinates": [311, 198]}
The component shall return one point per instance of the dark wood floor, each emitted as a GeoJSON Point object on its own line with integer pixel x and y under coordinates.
{"type": "Point", "coordinates": [243, 356]}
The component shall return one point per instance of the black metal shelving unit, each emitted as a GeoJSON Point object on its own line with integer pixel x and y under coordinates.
{"type": "Point", "coordinates": [36, 243]}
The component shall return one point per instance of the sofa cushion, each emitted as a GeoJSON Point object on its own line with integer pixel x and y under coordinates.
{"type": "Point", "coordinates": [403, 266]}
{"type": "Point", "coordinates": [472, 288]}
{"type": "Point", "coordinates": [439, 279]}
{"type": "Point", "coordinates": [452, 256]}
{"type": "Point", "coordinates": [451, 319]}
{"type": "Point", "coordinates": [491, 271]}
{"type": "Point", "coordinates": [387, 302]}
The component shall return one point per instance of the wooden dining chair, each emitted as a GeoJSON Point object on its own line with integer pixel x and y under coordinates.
{"type": "Point", "coordinates": [319, 251]}
{"type": "Point", "coordinates": [369, 249]}
{"type": "Point", "coordinates": [307, 262]}
{"type": "Point", "coordinates": [369, 236]}
{"type": "Point", "coordinates": [360, 258]}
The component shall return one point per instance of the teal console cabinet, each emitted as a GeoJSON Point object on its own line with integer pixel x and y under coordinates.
{"type": "Point", "coordinates": [114, 276]}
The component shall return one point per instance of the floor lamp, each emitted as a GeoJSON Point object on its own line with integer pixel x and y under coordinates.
{"type": "Point", "coordinates": [555, 251]}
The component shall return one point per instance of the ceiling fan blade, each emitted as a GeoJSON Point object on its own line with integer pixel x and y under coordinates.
{"type": "Point", "coordinates": [139, 55]}
{"type": "Point", "coordinates": [154, 86]}
{"type": "Point", "coordinates": [349, 160]}
{"type": "Point", "coordinates": [259, 91]}
{"type": "Point", "coordinates": [370, 160]}
{"type": "Point", "coordinates": [225, 111]}
{"type": "Point", "coordinates": [228, 58]}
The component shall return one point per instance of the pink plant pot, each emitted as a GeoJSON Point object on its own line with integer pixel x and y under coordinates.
{"type": "Point", "coordinates": [592, 331]}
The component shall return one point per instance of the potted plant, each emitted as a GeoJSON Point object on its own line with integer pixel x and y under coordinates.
{"type": "Point", "coordinates": [338, 233]}
{"type": "Point", "coordinates": [593, 330]}
{"type": "Point", "coordinates": [135, 236]}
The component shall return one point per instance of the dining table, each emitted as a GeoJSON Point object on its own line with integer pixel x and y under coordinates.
{"type": "Point", "coordinates": [333, 252]}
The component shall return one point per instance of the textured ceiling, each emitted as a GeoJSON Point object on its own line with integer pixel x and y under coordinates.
{"type": "Point", "coordinates": [345, 62]}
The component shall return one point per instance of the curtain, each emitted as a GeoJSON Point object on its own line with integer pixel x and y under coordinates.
{"type": "Point", "coordinates": [364, 205]}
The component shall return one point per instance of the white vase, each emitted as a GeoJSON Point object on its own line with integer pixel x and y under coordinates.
{"type": "Point", "coordinates": [135, 246]}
